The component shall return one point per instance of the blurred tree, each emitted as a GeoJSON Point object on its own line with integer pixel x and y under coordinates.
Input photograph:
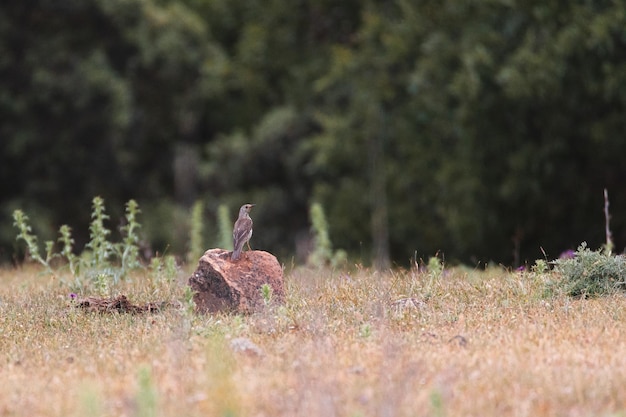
{"type": "Point", "coordinates": [490, 109]}
{"type": "Point", "coordinates": [482, 129]}
{"type": "Point", "coordinates": [275, 51]}
{"type": "Point", "coordinates": [532, 97]}
{"type": "Point", "coordinates": [93, 97]}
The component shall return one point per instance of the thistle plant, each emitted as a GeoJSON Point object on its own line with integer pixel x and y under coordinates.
{"type": "Point", "coordinates": [163, 269]}
{"type": "Point", "coordinates": [67, 250]}
{"type": "Point", "coordinates": [196, 232]}
{"type": "Point", "coordinates": [128, 249]}
{"type": "Point", "coordinates": [225, 227]}
{"type": "Point", "coordinates": [322, 252]}
{"type": "Point", "coordinates": [435, 266]}
{"type": "Point", "coordinates": [97, 266]}
{"type": "Point", "coordinates": [101, 248]}
{"type": "Point", "coordinates": [20, 220]}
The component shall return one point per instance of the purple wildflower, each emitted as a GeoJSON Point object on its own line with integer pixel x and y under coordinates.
{"type": "Point", "coordinates": [568, 254]}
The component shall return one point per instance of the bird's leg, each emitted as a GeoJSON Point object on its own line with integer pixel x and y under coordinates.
{"type": "Point", "coordinates": [248, 243]}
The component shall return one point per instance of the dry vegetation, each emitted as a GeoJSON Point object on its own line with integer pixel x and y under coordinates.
{"type": "Point", "coordinates": [459, 343]}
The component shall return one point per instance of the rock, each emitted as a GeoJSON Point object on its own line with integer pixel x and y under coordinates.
{"type": "Point", "coordinates": [235, 286]}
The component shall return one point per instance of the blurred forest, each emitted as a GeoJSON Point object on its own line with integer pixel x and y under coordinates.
{"type": "Point", "coordinates": [485, 130]}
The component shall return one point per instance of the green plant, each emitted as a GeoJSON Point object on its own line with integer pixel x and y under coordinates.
{"type": "Point", "coordinates": [105, 263]}
{"type": "Point", "coordinates": [67, 249]}
{"type": "Point", "coordinates": [101, 280]}
{"type": "Point", "coordinates": [591, 273]}
{"type": "Point", "coordinates": [437, 403]}
{"type": "Point", "coordinates": [20, 220]}
{"type": "Point", "coordinates": [188, 295]}
{"type": "Point", "coordinates": [100, 264]}
{"type": "Point", "coordinates": [225, 227]}
{"type": "Point", "coordinates": [196, 232]}
{"type": "Point", "coordinates": [540, 266]}
{"type": "Point", "coordinates": [322, 253]}
{"type": "Point", "coordinates": [365, 330]}
{"type": "Point", "coordinates": [163, 268]}
{"type": "Point", "coordinates": [101, 248]}
{"type": "Point", "coordinates": [147, 395]}
{"type": "Point", "coordinates": [90, 402]}
{"type": "Point", "coordinates": [128, 248]}
{"type": "Point", "coordinates": [266, 293]}
{"type": "Point", "coordinates": [435, 266]}
{"type": "Point", "coordinates": [434, 269]}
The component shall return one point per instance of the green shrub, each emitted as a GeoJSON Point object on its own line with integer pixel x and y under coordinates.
{"type": "Point", "coordinates": [591, 273]}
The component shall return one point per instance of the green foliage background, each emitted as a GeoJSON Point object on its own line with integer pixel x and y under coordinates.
{"type": "Point", "coordinates": [482, 129]}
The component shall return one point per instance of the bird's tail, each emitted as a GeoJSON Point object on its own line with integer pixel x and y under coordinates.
{"type": "Point", "coordinates": [235, 254]}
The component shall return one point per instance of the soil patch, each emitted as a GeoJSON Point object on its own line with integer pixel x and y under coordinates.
{"type": "Point", "coordinates": [121, 304]}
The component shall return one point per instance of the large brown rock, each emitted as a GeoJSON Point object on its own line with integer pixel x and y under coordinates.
{"type": "Point", "coordinates": [235, 286]}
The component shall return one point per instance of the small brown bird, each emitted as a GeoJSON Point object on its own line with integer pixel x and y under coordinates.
{"type": "Point", "coordinates": [242, 232]}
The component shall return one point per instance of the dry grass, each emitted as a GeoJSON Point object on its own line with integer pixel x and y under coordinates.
{"type": "Point", "coordinates": [465, 343]}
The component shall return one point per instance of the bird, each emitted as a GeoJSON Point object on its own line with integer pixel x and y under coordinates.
{"type": "Point", "coordinates": [242, 232]}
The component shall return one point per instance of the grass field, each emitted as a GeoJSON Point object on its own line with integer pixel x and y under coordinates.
{"type": "Point", "coordinates": [457, 343]}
